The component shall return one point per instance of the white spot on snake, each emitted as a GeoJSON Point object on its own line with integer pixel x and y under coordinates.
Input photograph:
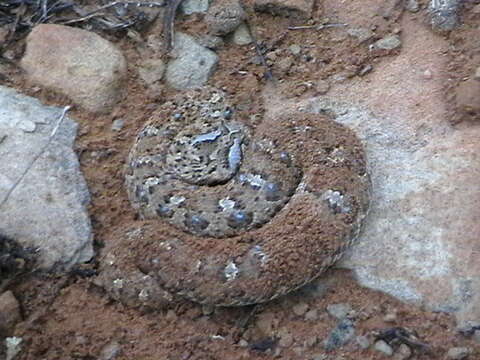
{"type": "Point", "coordinates": [231, 271]}
{"type": "Point", "coordinates": [177, 200]}
{"type": "Point", "coordinates": [226, 204]}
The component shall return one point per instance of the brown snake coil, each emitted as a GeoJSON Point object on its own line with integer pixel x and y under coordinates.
{"type": "Point", "coordinates": [254, 211]}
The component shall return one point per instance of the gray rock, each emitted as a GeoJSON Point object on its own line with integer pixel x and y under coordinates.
{"type": "Point", "coordinates": [189, 7]}
{"type": "Point", "coordinates": [78, 63]}
{"type": "Point", "coordinates": [225, 16]}
{"type": "Point", "coordinates": [444, 14]}
{"type": "Point", "coordinates": [300, 308]}
{"type": "Point", "coordinates": [301, 9]}
{"type": "Point", "coordinates": [403, 352]}
{"type": "Point", "coordinates": [412, 5]}
{"type": "Point", "coordinates": [48, 208]}
{"type": "Point", "coordinates": [295, 49]}
{"type": "Point", "coordinates": [286, 338]}
{"type": "Point", "coordinates": [383, 347]}
{"type": "Point", "coordinates": [110, 351]}
{"type": "Point", "coordinates": [193, 63]}
{"type": "Point", "coordinates": [362, 34]}
{"type": "Point", "coordinates": [388, 43]}
{"type": "Point", "coordinates": [242, 35]}
{"type": "Point", "coordinates": [458, 353]}
{"type": "Point", "coordinates": [363, 342]}
{"type": "Point", "coordinates": [339, 311]}
{"type": "Point", "coordinates": [151, 71]}
{"type": "Point", "coordinates": [13, 345]}
{"type": "Point", "coordinates": [311, 315]}
{"type": "Point", "coordinates": [211, 42]}
{"type": "Point", "coordinates": [118, 124]}
{"type": "Point", "coordinates": [340, 335]}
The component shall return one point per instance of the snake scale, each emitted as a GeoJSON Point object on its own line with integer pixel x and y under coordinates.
{"type": "Point", "coordinates": [246, 210]}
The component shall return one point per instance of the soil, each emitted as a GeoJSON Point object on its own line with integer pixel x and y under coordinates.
{"type": "Point", "coordinates": [68, 316]}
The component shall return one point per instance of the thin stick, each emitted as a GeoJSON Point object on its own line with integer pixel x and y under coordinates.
{"type": "Point", "coordinates": [35, 158]}
{"type": "Point", "coordinates": [169, 24]}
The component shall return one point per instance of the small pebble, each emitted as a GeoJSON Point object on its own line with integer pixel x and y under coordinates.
{"type": "Point", "coordinates": [322, 87]}
{"type": "Point", "coordinates": [300, 309]}
{"type": "Point", "coordinates": [388, 43]}
{"type": "Point", "coordinates": [110, 351]}
{"type": "Point", "coordinates": [207, 310]}
{"type": "Point", "coordinates": [295, 49]}
{"type": "Point", "coordinates": [243, 343]}
{"type": "Point", "coordinates": [427, 74]}
{"type": "Point", "coordinates": [286, 339]}
{"type": "Point", "coordinates": [117, 124]}
{"type": "Point", "coordinates": [412, 5]}
{"type": "Point", "coordinates": [339, 311]}
{"type": "Point", "coordinates": [311, 315]}
{"type": "Point", "coordinates": [458, 353]}
{"type": "Point", "coordinates": [383, 347]}
{"type": "Point", "coordinates": [403, 353]}
{"type": "Point", "coordinates": [391, 317]}
{"type": "Point", "coordinates": [363, 342]}
{"type": "Point", "coordinates": [241, 35]}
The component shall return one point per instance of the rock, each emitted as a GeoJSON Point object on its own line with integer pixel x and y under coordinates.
{"type": "Point", "coordinates": [458, 353]}
{"type": "Point", "coordinates": [322, 87]}
{"type": "Point", "coordinates": [243, 343]}
{"type": "Point", "coordinates": [340, 335]}
{"type": "Point", "coordinates": [403, 352]}
{"type": "Point", "coordinates": [210, 41]}
{"type": "Point", "coordinates": [363, 342]}
{"type": "Point", "coordinates": [362, 34]}
{"type": "Point", "coordinates": [189, 7]}
{"type": "Point", "coordinates": [225, 16]}
{"type": "Point", "coordinates": [427, 75]}
{"type": "Point", "coordinates": [77, 63]}
{"type": "Point", "coordinates": [339, 311]}
{"type": "Point", "coordinates": [118, 124]}
{"type": "Point", "coordinates": [477, 74]}
{"type": "Point", "coordinates": [383, 347]}
{"type": "Point", "coordinates": [48, 208]}
{"type": "Point", "coordinates": [266, 322]}
{"type": "Point", "coordinates": [295, 49]}
{"type": "Point", "coordinates": [300, 309]}
{"type": "Point", "coordinates": [301, 9]}
{"type": "Point", "coordinates": [151, 71]}
{"type": "Point", "coordinates": [320, 357]}
{"type": "Point", "coordinates": [110, 351]}
{"type": "Point", "coordinates": [390, 317]}
{"type": "Point", "coordinates": [286, 339]}
{"type": "Point", "coordinates": [444, 15]}
{"type": "Point", "coordinates": [193, 64]}
{"type": "Point", "coordinates": [13, 345]}
{"type": "Point", "coordinates": [9, 313]}
{"type": "Point", "coordinates": [388, 43]}
{"type": "Point", "coordinates": [412, 6]}
{"type": "Point", "coordinates": [468, 97]}
{"type": "Point", "coordinates": [242, 35]}
{"type": "Point", "coordinates": [311, 315]}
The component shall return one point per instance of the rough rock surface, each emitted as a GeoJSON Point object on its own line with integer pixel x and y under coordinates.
{"type": "Point", "coordinates": [420, 240]}
{"type": "Point", "coordinates": [193, 63]}
{"type": "Point", "coordinates": [444, 14]}
{"type": "Point", "coordinates": [189, 7]}
{"type": "Point", "coordinates": [293, 8]}
{"type": "Point", "coordinates": [47, 210]}
{"type": "Point", "coordinates": [78, 63]}
{"type": "Point", "coordinates": [225, 16]}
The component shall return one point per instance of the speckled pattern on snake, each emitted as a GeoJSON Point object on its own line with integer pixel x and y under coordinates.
{"type": "Point", "coordinates": [254, 211]}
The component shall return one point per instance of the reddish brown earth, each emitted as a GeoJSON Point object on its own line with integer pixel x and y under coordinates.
{"type": "Point", "coordinates": [69, 317]}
